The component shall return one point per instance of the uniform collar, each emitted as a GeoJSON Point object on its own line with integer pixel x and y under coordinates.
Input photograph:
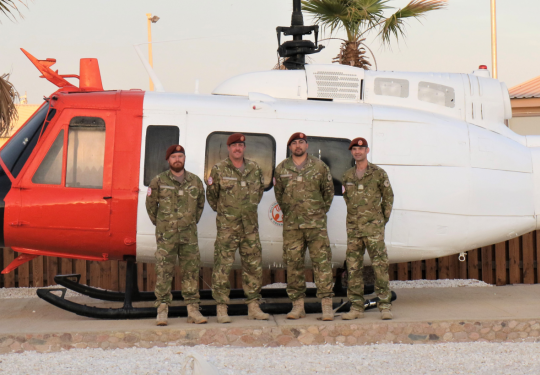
{"type": "Point", "coordinates": [289, 164]}
{"type": "Point", "coordinates": [187, 176]}
{"type": "Point", "coordinates": [369, 170]}
{"type": "Point", "coordinates": [247, 166]}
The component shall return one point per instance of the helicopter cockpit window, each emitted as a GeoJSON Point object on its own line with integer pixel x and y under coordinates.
{"type": "Point", "coordinates": [158, 139]}
{"type": "Point", "coordinates": [437, 94]}
{"type": "Point", "coordinates": [392, 87]}
{"type": "Point", "coordinates": [261, 148]}
{"type": "Point", "coordinates": [335, 153]}
{"type": "Point", "coordinates": [85, 153]}
{"type": "Point", "coordinates": [49, 171]}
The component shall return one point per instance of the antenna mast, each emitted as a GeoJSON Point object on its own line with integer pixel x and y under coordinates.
{"type": "Point", "coordinates": [294, 51]}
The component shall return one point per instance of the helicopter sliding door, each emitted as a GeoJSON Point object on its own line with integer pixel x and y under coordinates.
{"type": "Point", "coordinates": [66, 192]}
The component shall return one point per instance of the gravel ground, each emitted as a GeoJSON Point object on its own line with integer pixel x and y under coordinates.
{"type": "Point", "coordinates": [462, 358]}
{"type": "Point", "coordinates": [31, 292]}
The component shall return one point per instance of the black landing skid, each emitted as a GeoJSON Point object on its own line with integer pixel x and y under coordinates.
{"type": "Point", "coordinates": [132, 294]}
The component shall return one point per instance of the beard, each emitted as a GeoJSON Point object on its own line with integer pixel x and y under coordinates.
{"type": "Point", "coordinates": [299, 152]}
{"type": "Point", "coordinates": [177, 167]}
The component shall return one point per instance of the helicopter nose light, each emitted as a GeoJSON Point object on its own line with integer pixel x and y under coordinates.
{"type": "Point", "coordinates": [482, 67]}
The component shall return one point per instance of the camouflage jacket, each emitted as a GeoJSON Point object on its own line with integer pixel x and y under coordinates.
{"type": "Point", "coordinates": [369, 201]}
{"type": "Point", "coordinates": [175, 209]}
{"type": "Point", "coordinates": [304, 196]}
{"type": "Point", "coordinates": [235, 196]}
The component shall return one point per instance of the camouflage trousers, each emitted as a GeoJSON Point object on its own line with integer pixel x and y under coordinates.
{"type": "Point", "coordinates": [295, 242]}
{"type": "Point", "coordinates": [189, 260]}
{"type": "Point", "coordinates": [250, 249]}
{"type": "Point", "coordinates": [376, 249]}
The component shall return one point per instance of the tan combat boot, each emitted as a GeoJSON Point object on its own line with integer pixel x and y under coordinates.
{"type": "Point", "coordinates": [162, 314]}
{"type": "Point", "coordinates": [297, 311]}
{"type": "Point", "coordinates": [354, 313]}
{"type": "Point", "coordinates": [194, 316]}
{"type": "Point", "coordinates": [386, 314]}
{"type": "Point", "coordinates": [222, 316]}
{"type": "Point", "coordinates": [255, 312]}
{"type": "Point", "coordinates": [327, 310]}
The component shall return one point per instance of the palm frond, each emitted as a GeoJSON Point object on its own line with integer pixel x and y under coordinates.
{"type": "Point", "coordinates": [395, 24]}
{"type": "Point", "coordinates": [8, 111]}
{"type": "Point", "coordinates": [351, 15]}
{"type": "Point", "coordinates": [8, 7]}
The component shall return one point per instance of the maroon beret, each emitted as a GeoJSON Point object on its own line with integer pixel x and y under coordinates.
{"type": "Point", "coordinates": [361, 142]}
{"type": "Point", "coordinates": [296, 136]}
{"type": "Point", "coordinates": [174, 149]}
{"type": "Point", "coordinates": [236, 138]}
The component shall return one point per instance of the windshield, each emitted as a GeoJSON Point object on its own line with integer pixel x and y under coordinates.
{"type": "Point", "coordinates": [19, 147]}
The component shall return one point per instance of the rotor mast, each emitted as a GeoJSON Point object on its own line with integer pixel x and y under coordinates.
{"type": "Point", "coordinates": [294, 51]}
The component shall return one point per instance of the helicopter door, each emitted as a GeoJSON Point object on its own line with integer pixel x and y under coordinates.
{"type": "Point", "coordinates": [67, 191]}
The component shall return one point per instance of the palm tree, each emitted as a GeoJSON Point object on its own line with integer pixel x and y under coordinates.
{"type": "Point", "coordinates": [358, 17]}
{"type": "Point", "coordinates": [8, 93]}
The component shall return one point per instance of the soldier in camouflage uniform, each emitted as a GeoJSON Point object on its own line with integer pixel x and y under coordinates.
{"type": "Point", "coordinates": [234, 190]}
{"type": "Point", "coordinates": [369, 197]}
{"type": "Point", "coordinates": [175, 202]}
{"type": "Point", "coordinates": [304, 191]}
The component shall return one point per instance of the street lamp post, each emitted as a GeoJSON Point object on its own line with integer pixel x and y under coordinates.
{"type": "Point", "coordinates": [493, 39]}
{"type": "Point", "coordinates": [151, 20]}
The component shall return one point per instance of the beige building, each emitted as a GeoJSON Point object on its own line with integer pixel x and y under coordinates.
{"type": "Point", "coordinates": [525, 99]}
{"type": "Point", "coordinates": [25, 111]}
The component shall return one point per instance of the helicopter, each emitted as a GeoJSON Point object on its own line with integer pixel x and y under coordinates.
{"type": "Point", "coordinates": [74, 178]}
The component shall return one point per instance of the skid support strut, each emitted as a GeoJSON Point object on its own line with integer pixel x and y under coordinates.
{"type": "Point", "coordinates": [132, 294]}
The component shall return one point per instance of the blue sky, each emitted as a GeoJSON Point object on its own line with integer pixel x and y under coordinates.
{"type": "Point", "coordinates": [237, 36]}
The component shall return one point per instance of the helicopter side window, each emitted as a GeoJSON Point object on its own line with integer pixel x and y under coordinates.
{"type": "Point", "coordinates": [158, 139]}
{"type": "Point", "coordinates": [437, 94]}
{"type": "Point", "coordinates": [85, 153]}
{"type": "Point", "coordinates": [392, 87]}
{"type": "Point", "coordinates": [261, 148]}
{"type": "Point", "coordinates": [335, 153]}
{"type": "Point", "coordinates": [49, 171]}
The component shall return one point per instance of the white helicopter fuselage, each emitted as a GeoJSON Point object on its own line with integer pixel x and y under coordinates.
{"type": "Point", "coordinates": [461, 178]}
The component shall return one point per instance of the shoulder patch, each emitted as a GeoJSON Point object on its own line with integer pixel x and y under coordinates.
{"type": "Point", "coordinates": [210, 180]}
{"type": "Point", "coordinates": [329, 177]}
{"type": "Point", "coordinates": [386, 183]}
{"type": "Point", "coordinates": [149, 191]}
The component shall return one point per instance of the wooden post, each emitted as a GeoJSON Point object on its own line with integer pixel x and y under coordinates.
{"type": "Point", "coordinates": [279, 276]}
{"type": "Point", "coordinates": [309, 276]}
{"type": "Point", "coordinates": [431, 269]}
{"type": "Point", "coordinates": [150, 277]}
{"type": "Point", "coordinates": [238, 278]}
{"type": "Point", "coordinates": [444, 267]}
{"type": "Point", "coordinates": [37, 272]}
{"type": "Point", "coordinates": [140, 276]}
{"type": "Point", "coordinates": [122, 270]}
{"type": "Point", "coordinates": [207, 278]}
{"type": "Point", "coordinates": [52, 270]}
{"type": "Point", "coordinates": [453, 269]}
{"type": "Point", "coordinates": [9, 278]}
{"type": "Point", "coordinates": [473, 264]}
{"type": "Point", "coordinates": [403, 271]}
{"type": "Point", "coordinates": [538, 256]}
{"type": "Point", "coordinates": [80, 268]}
{"type": "Point", "coordinates": [114, 275]}
{"type": "Point", "coordinates": [416, 270]}
{"type": "Point", "coordinates": [463, 267]}
{"type": "Point", "coordinates": [267, 277]}
{"type": "Point", "coordinates": [177, 278]}
{"type": "Point", "coordinates": [487, 264]}
{"type": "Point", "coordinates": [528, 258]}
{"type": "Point", "coordinates": [513, 257]}
{"type": "Point", "coordinates": [24, 274]}
{"type": "Point", "coordinates": [500, 263]}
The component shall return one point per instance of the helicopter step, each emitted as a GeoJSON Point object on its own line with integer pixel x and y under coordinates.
{"type": "Point", "coordinates": [279, 303]}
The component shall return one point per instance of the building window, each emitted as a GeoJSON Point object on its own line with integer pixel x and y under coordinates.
{"type": "Point", "coordinates": [158, 139]}
{"type": "Point", "coordinates": [260, 148]}
{"type": "Point", "coordinates": [437, 94]}
{"type": "Point", "coordinates": [392, 87]}
{"type": "Point", "coordinates": [335, 153]}
{"type": "Point", "coordinates": [49, 171]}
{"type": "Point", "coordinates": [85, 153]}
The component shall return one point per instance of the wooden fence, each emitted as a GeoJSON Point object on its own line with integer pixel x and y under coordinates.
{"type": "Point", "coordinates": [511, 262]}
